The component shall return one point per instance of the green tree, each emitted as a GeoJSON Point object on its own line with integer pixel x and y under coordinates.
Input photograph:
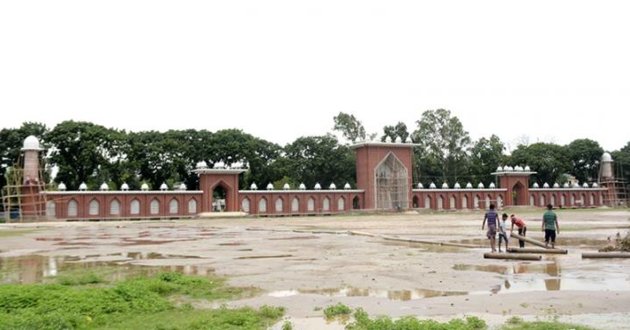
{"type": "Point", "coordinates": [350, 127]}
{"type": "Point", "coordinates": [585, 155]}
{"type": "Point", "coordinates": [485, 156]}
{"type": "Point", "coordinates": [393, 132]}
{"type": "Point", "coordinates": [320, 159]}
{"type": "Point", "coordinates": [621, 163]}
{"type": "Point", "coordinates": [442, 154]}
{"type": "Point", "coordinates": [549, 160]}
{"type": "Point", "coordinates": [84, 152]}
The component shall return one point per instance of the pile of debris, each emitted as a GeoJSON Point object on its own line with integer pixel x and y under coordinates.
{"type": "Point", "coordinates": [619, 244]}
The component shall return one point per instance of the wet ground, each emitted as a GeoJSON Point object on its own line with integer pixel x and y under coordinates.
{"type": "Point", "coordinates": [306, 264]}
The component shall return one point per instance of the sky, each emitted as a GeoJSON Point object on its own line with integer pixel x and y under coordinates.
{"type": "Point", "coordinates": [527, 71]}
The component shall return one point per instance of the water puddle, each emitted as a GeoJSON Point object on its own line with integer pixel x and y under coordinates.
{"type": "Point", "coordinates": [527, 277]}
{"type": "Point", "coordinates": [266, 257]}
{"type": "Point", "coordinates": [401, 295]}
{"type": "Point", "coordinates": [37, 269]}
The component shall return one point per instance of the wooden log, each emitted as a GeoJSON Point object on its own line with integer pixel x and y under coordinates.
{"type": "Point", "coordinates": [520, 256]}
{"type": "Point", "coordinates": [537, 250]}
{"type": "Point", "coordinates": [529, 240]}
{"type": "Point", "coordinates": [606, 255]}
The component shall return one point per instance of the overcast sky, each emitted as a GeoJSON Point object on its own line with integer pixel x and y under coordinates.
{"type": "Point", "coordinates": [549, 71]}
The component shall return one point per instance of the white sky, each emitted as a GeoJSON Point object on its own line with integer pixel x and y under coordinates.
{"type": "Point", "coordinates": [553, 71]}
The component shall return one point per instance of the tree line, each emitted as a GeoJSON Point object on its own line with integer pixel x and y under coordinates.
{"type": "Point", "coordinates": [86, 152]}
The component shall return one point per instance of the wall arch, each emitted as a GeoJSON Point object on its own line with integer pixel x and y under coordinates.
{"type": "Point", "coordinates": [134, 207]}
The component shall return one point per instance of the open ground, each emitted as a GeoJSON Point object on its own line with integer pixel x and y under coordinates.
{"type": "Point", "coordinates": [308, 263]}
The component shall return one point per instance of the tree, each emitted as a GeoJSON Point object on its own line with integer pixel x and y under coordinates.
{"type": "Point", "coordinates": [399, 130]}
{"type": "Point", "coordinates": [585, 155]}
{"type": "Point", "coordinates": [548, 159]}
{"type": "Point", "coordinates": [84, 152]}
{"type": "Point", "coordinates": [350, 127]}
{"type": "Point", "coordinates": [485, 156]}
{"type": "Point", "coordinates": [442, 153]}
{"type": "Point", "coordinates": [320, 159]}
{"type": "Point", "coordinates": [621, 163]}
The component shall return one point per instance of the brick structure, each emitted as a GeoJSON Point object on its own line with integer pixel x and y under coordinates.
{"type": "Point", "coordinates": [384, 182]}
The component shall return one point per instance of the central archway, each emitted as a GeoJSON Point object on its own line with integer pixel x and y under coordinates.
{"type": "Point", "coordinates": [391, 184]}
{"type": "Point", "coordinates": [218, 199]}
{"type": "Point", "coordinates": [519, 197]}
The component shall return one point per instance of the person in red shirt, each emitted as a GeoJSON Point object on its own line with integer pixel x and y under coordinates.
{"type": "Point", "coordinates": [522, 228]}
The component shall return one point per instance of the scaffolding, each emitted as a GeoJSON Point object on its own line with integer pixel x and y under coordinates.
{"type": "Point", "coordinates": [24, 201]}
{"type": "Point", "coordinates": [391, 185]}
{"type": "Point", "coordinates": [616, 188]}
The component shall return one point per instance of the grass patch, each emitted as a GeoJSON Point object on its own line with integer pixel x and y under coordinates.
{"type": "Point", "coordinates": [84, 301]}
{"type": "Point", "coordinates": [516, 323]}
{"type": "Point", "coordinates": [339, 310]}
{"type": "Point", "coordinates": [364, 322]}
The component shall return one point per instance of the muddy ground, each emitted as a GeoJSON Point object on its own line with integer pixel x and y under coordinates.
{"type": "Point", "coordinates": [308, 263]}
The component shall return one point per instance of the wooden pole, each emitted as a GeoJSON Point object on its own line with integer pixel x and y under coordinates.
{"type": "Point", "coordinates": [519, 256]}
{"type": "Point", "coordinates": [529, 240]}
{"type": "Point", "coordinates": [537, 250]}
{"type": "Point", "coordinates": [606, 255]}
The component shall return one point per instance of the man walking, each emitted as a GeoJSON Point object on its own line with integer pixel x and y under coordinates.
{"type": "Point", "coordinates": [492, 217]}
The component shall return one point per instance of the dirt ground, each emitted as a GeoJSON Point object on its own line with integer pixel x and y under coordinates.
{"type": "Point", "coordinates": [308, 263]}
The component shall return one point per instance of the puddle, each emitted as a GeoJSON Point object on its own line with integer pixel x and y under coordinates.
{"type": "Point", "coordinates": [527, 277]}
{"type": "Point", "coordinates": [37, 269]}
{"type": "Point", "coordinates": [266, 257]}
{"type": "Point", "coordinates": [401, 295]}
{"type": "Point", "coordinates": [292, 238]}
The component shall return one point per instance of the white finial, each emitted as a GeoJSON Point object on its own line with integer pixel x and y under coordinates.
{"type": "Point", "coordinates": [332, 186]}
{"type": "Point", "coordinates": [219, 165]}
{"type": "Point", "coordinates": [499, 169]}
{"type": "Point", "coordinates": [508, 169]}
{"type": "Point", "coordinates": [103, 187]}
{"type": "Point", "coordinates": [347, 186]}
{"type": "Point", "coordinates": [444, 185]}
{"type": "Point", "coordinates": [82, 186]}
{"type": "Point", "coordinates": [565, 185]}
{"type": "Point", "coordinates": [408, 140]}
{"type": "Point", "coordinates": [318, 186]}
{"type": "Point", "coordinates": [31, 143]}
{"type": "Point", "coordinates": [183, 187]}
{"type": "Point", "coordinates": [253, 186]}
{"type": "Point", "coordinates": [144, 187]}
{"type": "Point", "coordinates": [527, 169]}
{"type": "Point", "coordinates": [432, 186]}
{"type": "Point", "coordinates": [585, 185]}
{"type": "Point", "coordinates": [286, 187]}
{"type": "Point", "coordinates": [535, 185]}
{"type": "Point", "coordinates": [595, 185]}
{"type": "Point", "coordinates": [556, 185]}
{"type": "Point", "coordinates": [302, 186]}
{"type": "Point", "coordinates": [201, 165]}
{"type": "Point", "coordinates": [163, 186]}
{"type": "Point", "coordinates": [480, 185]}
{"type": "Point", "coordinates": [469, 185]}
{"type": "Point", "coordinates": [398, 139]}
{"type": "Point", "coordinates": [492, 185]}
{"type": "Point", "coordinates": [457, 186]}
{"type": "Point", "coordinates": [124, 186]}
{"type": "Point", "coordinates": [545, 185]}
{"type": "Point", "coordinates": [388, 139]}
{"type": "Point", "coordinates": [420, 186]}
{"type": "Point", "coordinates": [269, 186]}
{"type": "Point", "coordinates": [61, 186]}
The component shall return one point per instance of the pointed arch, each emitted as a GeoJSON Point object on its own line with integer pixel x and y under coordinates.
{"type": "Point", "coordinates": [93, 207]}
{"type": "Point", "coordinates": [154, 207]}
{"type": "Point", "coordinates": [553, 199]}
{"type": "Point", "coordinates": [427, 202]}
{"type": "Point", "coordinates": [73, 208]}
{"type": "Point", "coordinates": [532, 200]}
{"type": "Point", "coordinates": [391, 183]}
{"type": "Point", "coordinates": [341, 204]}
{"type": "Point", "coordinates": [592, 199]}
{"type": "Point", "coordinates": [452, 202]}
{"type": "Point", "coordinates": [440, 202]}
{"type": "Point", "coordinates": [572, 199]}
{"type": "Point", "coordinates": [563, 200]}
{"type": "Point", "coordinates": [114, 207]}
{"type": "Point", "coordinates": [499, 201]}
{"type": "Point", "coordinates": [464, 202]}
{"type": "Point", "coordinates": [542, 201]}
{"type": "Point", "coordinates": [173, 206]}
{"type": "Point", "coordinates": [279, 205]}
{"type": "Point", "coordinates": [245, 205]}
{"type": "Point", "coordinates": [134, 207]}
{"type": "Point", "coordinates": [356, 203]}
{"type": "Point", "coordinates": [310, 204]}
{"type": "Point", "coordinates": [51, 210]}
{"type": "Point", "coordinates": [192, 206]}
{"type": "Point", "coordinates": [262, 205]}
{"type": "Point", "coordinates": [295, 205]}
{"type": "Point", "coordinates": [326, 204]}
{"type": "Point", "coordinates": [415, 202]}
{"type": "Point", "coordinates": [476, 201]}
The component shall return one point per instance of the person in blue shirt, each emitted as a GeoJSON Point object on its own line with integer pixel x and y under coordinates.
{"type": "Point", "coordinates": [492, 217]}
